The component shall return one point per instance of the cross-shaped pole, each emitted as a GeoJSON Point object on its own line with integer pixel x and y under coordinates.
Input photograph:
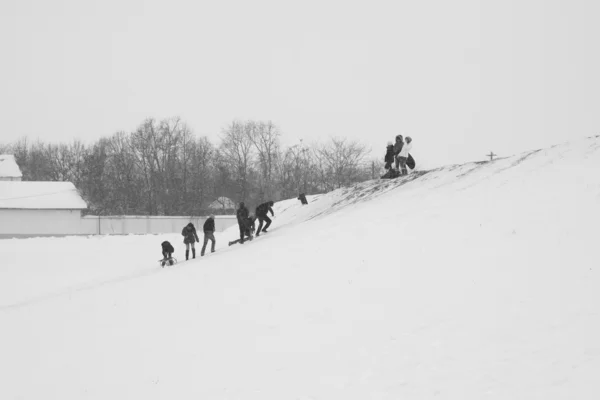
{"type": "Point", "coordinates": [491, 155]}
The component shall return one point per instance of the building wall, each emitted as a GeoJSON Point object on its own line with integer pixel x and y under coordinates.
{"type": "Point", "coordinates": [122, 225]}
{"type": "Point", "coordinates": [31, 223]}
{"type": "Point", "coordinates": [8, 178]}
{"type": "Point", "coordinates": [25, 223]}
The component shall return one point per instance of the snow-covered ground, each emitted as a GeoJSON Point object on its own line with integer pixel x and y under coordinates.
{"type": "Point", "coordinates": [478, 281]}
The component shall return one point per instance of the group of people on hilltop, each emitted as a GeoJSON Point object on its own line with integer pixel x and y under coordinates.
{"type": "Point", "coordinates": [399, 152]}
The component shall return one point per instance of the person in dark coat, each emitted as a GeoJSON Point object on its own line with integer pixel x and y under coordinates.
{"type": "Point", "coordinates": [250, 225]}
{"type": "Point", "coordinates": [261, 214]}
{"type": "Point", "coordinates": [167, 252]}
{"type": "Point", "coordinates": [302, 198]}
{"type": "Point", "coordinates": [190, 237]}
{"type": "Point", "coordinates": [242, 217]}
{"type": "Point", "coordinates": [389, 156]}
{"type": "Point", "coordinates": [397, 149]}
{"type": "Point", "coordinates": [249, 229]}
{"type": "Point", "coordinates": [209, 234]}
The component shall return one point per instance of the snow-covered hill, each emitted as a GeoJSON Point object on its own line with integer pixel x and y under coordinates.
{"type": "Point", "coordinates": [476, 281]}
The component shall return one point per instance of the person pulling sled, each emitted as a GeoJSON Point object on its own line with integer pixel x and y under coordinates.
{"type": "Point", "coordinates": [242, 215]}
{"type": "Point", "coordinates": [249, 228]}
{"type": "Point", "coordinates": [167, 252]}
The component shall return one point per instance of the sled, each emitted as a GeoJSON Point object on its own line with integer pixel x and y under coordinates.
{"type": "Point", "coordinates": [169, 261]}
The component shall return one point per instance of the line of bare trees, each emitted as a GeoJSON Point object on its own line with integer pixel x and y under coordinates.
{"type": "Point", "coordinates": [162, 168]}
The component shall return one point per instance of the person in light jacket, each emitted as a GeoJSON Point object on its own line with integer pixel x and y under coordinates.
{"type": "Point", "coordinates": [403, 155]}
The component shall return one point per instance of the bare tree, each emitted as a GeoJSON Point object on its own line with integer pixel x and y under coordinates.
{"type": "Point", "coordinates": [126, 189]}
{"type": "Point", "coordinates": [161, 168]}
{"type": "Point", "coordinates": [202, 160]}
{"type": "Point", "coordinates": [341, 162]}
{"type": "Point", "coordinates": [236, 151]}
{"type": "Point", "coordinates": [265, 138]}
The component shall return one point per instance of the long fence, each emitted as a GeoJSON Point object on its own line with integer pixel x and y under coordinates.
{"type": "Point", "coordinates": [130, 224]}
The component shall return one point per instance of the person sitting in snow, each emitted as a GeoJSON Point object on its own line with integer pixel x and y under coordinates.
{"type": "Point", "coordinates": [261, 214]}
{"type": "Point", "coordinates": [209, 234]}
{"type": "Point", "coordinates": [403, 155]}
{"type": "Point", "coordinates": [190, 237]}
{"type": "Point", "coordinates": [167, 252]}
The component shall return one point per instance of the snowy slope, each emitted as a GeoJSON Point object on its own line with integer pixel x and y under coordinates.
{"type": "Point", "coordinates": [466, 282]}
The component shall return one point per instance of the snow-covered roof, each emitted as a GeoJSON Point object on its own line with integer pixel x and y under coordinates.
{"type": "Point", "coordinates": [222, 203]}
{"type": "Point", "coordinates": [9, 167]}
{"type": "Point", "coordinates": [40, 195]}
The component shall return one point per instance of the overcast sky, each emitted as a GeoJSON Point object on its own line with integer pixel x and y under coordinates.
{"type": "Point", "coordinates": [461, 77]}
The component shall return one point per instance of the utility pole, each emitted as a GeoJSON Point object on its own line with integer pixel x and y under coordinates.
{"type": "Point", "coordinates": [491, 155]}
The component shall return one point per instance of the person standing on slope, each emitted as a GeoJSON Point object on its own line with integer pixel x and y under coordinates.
{"type": "Point", "coordinates": [261, 214]}
{"type": "Point", "coordinates": [403, 156]}
{"type": "Point", "coordinates": [209, 234]}
{"type": "Point", "coordinates": [302, 198]}
{"type": "Point", "coordinates": [242, 218]}
{"type": "Point", "coordinates": [189, 238]}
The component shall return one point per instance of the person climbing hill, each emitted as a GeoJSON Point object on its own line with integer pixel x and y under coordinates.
{"type": "Point", "coordinates": [209, 234]}
{"type": "Point", "coordinates": [249, 228]}
{"type": "Point", "coordinates": [261, 213]}
{"type": "Point", "coordinates": [242, 217]}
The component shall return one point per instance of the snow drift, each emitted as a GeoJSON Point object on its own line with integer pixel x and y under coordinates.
{"type": "Point", "coordinates": [466, 282]}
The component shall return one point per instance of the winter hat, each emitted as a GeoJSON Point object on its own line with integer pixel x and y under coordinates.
{"type": "Point", "coordinates": [390, 144]}
{"type": "Point", "coordinates": [399, 137]}
{"type": "Point", "coordinates": [408, 139]}
{"type": "Point", "coordinates": [212, 216]}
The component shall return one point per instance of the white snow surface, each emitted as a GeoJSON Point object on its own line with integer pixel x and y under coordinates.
{"type": "Point", "coordinates": [476, 281]}
{"type": "Point", "coordinates": [40, 195]}
{"type": "Point", "coordinates": [9, 167]}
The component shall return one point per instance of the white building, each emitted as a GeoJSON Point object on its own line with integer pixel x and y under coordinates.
{"type": "Point", "coordinates": [9, 169]}
{"type": "Point", "coordinates": [222, 204]}
{"type": "Point", "coordinates": [39, 209]}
